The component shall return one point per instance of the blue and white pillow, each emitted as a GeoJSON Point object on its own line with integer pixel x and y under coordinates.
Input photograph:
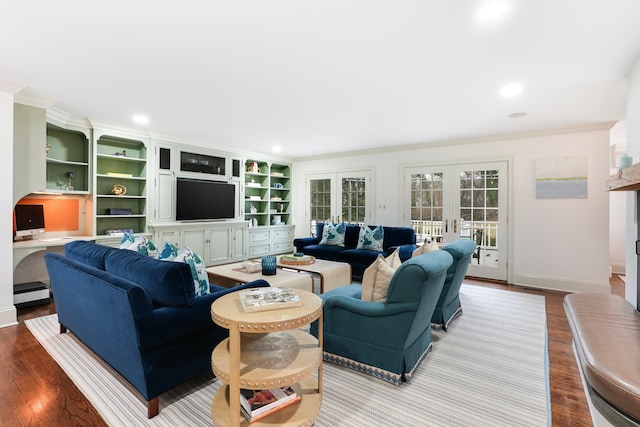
{"type": "Point", "coordinates": [171, 252]}
{"type": "Point", "coordinates": [139, 244]}
{"type": "Point", "coordinates": [371, 239]}
{"type": "Point", "coordinates": [333, 235]}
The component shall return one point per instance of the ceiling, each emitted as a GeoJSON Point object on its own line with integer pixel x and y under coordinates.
{"type": "Point", "coordinates": [323, 77]}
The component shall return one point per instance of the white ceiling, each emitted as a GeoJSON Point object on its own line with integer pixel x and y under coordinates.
{"type": "Point", "coordinates": [326, 76]}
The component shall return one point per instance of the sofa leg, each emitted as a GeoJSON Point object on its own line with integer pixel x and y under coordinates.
{"type": "Point", "coordinates": [153, 407]}
{"type": "Point", "coordinates": [63, 329]}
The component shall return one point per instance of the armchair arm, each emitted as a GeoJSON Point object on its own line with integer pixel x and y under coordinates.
{"type": "Point", "coordinates": [300, 243]}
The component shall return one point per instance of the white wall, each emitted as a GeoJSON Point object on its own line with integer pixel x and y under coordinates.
{"type": "Point", "coordinates": [557, 244]}
{"type": "Point", "coordinates": [633, 149]}
{"type": "Point", "coordinates": [8, 314]}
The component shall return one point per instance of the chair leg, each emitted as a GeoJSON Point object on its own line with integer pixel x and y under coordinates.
{"type": "Point", "coordinates": [63, 329]}
{"type": "Point", "coordinates": [153, 407]}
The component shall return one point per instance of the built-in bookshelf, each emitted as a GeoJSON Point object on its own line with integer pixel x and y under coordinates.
{"type": "Point", "coordinates": [67, 159]}
{"type": "Point", "coordinates": [121, 185]}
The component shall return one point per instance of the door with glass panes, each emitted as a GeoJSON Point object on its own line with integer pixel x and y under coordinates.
{"type": "Point", "coordinates": [465, 201]}
{"type": "Point", "coordinates": [343, 196]}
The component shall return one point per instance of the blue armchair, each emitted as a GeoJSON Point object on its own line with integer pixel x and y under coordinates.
{"type": "Point", "coordinates": [448, 307]}
{"type": "Point", "coordinates": [385, 339]}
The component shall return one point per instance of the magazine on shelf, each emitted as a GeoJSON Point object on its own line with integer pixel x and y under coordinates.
{"type": "Point", "coordinates": [263, 299]}
{"type": "Point", "coordinates": [256, 404]}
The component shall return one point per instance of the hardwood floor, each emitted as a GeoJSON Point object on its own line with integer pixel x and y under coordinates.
{"type": "Point", "coordinates": [36, 392]}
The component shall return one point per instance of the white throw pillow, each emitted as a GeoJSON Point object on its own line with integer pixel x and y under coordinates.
{"type": "Point", "coordinates": [377, 277]}
{"type": "Point", "coordinates": [426, 247]}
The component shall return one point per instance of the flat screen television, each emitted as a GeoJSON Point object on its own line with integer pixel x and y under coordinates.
{"type": "Point", "coordinates": [29, 220]}
{"type": "Point", "coordinates": [202, 200]}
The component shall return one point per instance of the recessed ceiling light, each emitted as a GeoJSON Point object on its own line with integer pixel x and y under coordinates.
{"type": "Point", "coordinates": [276, 149]}
{"type": "Point", "coordinates": [511, 90]}
{"type": "Point", "coordinates": [516, 115]}
{"type": "Point", "coordinates": [140, 119]}
{"type": "Point", "coordinates": [492, 10]}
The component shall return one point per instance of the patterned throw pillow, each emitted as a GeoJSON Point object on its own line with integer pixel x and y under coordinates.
{"type": "Point", "coordinates": [139, 244]}
{"type": "Point", "coordinates": [371, 239]}
{"type": "Point", "coordinates": [426, 247]}
{"type": "Point", "coordinates": [377, 277]}
{"type": "Point", "coordinates": [333, 235]}
{"type": "Point", "coordinates": [171, 252]}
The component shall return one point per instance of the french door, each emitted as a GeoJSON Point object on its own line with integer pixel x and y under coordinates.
{"type": "Point", "coordinates": [464, 201]}
{"type": "Point", "coordinates": [340, 196]}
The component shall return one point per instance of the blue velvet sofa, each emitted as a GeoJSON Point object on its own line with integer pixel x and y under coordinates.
{"type": "Point", "coordinates": [385, 339]}
{"type": "Point", "coordinates": [400, 238]}
{"type": "Point", "coordinates": [137, 313]}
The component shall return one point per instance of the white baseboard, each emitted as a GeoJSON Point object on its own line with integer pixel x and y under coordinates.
{"type": "Point", "coordinates": [555, 284]}
{"type": "Point", "coordinates": [8, 316]}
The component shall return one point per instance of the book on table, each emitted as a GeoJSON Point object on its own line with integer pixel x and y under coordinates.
{"type": "Point", "coordinates": [256, 404]}
{"type": "Point", "coordinates": [263, 299]}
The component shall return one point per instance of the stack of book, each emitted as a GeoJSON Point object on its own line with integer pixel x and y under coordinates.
{"type": "Point", "coordinates": [263, 299]}
{"type": "Point", "coordinates": [256, 404]}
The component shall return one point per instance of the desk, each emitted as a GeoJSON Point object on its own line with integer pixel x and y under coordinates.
{"type": "Point", "coordinates": [24, 248]}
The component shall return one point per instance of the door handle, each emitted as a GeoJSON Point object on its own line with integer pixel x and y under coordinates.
{"type": "Point", "coordinates": [446, 225]}
{"type": "Point", "coordinates": [455, 225]}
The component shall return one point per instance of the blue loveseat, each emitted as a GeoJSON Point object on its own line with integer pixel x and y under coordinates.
{"type": "Point", "coordinates": [395, 238]}
{"type": "Point", "coordinates": [137, 313]}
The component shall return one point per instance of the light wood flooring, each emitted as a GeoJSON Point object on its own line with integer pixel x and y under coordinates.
{"type": "Point", "coordinates": [34, 391]}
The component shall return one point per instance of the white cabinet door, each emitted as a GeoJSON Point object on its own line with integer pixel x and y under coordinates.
{"type": "Point", "coordinates": [237, 244]}
{"type": "Point", "coordinates": [219, 245]}
{"type": "Point", "coordinates": [196, 239]}
{"type": "Point", "coordinates": [171, 235]}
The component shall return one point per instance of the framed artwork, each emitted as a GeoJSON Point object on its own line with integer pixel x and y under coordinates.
{"type": "Point", "coordinates": [561, 178]}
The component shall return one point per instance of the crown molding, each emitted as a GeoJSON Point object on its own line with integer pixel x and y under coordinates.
{"type": "Point", "coordinates": [33, 101]}
{"type": "Point", "coordinates": [10, 87]}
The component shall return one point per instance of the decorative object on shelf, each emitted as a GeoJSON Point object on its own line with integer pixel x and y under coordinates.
{"type": "Point", "coordinates": [253, 209]}
{"type": "Point", "coordinates": [119, 190]}
{"type": "Point", "coordinates": [277, 174]}
{"type": "Point", "coordinates": [253, 167]}
{"type": "Point", "coordinates": [253, 222]}
{"type": "Point", "coordinates": [625, 161]}
{"type": "Point", "coordinates": [278, 185]}
{"type": "Point", "coordinates": [118, 211]}
{"type": "Point", "coordinates": [49, 146]}
{"type": "Point", "coordinates": [69, 175]}
{"type": "Point", "coordinates": [277, 220]}
{"type": "Point", "coordinates": [281, 206]}
{"type": "Point", "coordinates": [119, 232]}
{"type": "Point", "coordinates": [123, 153]}
{"type": "Point", "coordinates": [120, 174]}
{"type": "Point", "coordinates": [269, 265]}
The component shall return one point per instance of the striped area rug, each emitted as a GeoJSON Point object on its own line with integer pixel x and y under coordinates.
{"type": "Point", "coordinates": [489, 369]}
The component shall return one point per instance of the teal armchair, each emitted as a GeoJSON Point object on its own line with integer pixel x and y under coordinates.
{"type": "Point", "coordinates": [448, 307]}
{"type": "Point", "coordinates": [385, 339]}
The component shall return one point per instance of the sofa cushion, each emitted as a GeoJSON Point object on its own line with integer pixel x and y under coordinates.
{"type": "Point", "coordinates": [371, 239]}
{"type": "Point", "coordinates": [398, 236]}
{"type": "Point", "coordinates": [360, 256]}
{"type": "Point", "coordinates": [171, 252]}
{"type": "Point", "coordinates": [88, 252]}
{"type": "Point", "coordinates": [333, 235]}
{"type": "Point", "coordinates": [377, 277]}
{"type": "Point", "coordinates": [139, 244]}
{"type": "Point", "coordinates": [169, 284]}
{"type": "Point", "coordinates": [330, 253]}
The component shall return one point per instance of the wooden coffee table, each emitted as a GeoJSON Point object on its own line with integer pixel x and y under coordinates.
{"type": "Point", "coordinates": [332, 274]}
{"type": "Point", "coordinates": [225, 275]}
